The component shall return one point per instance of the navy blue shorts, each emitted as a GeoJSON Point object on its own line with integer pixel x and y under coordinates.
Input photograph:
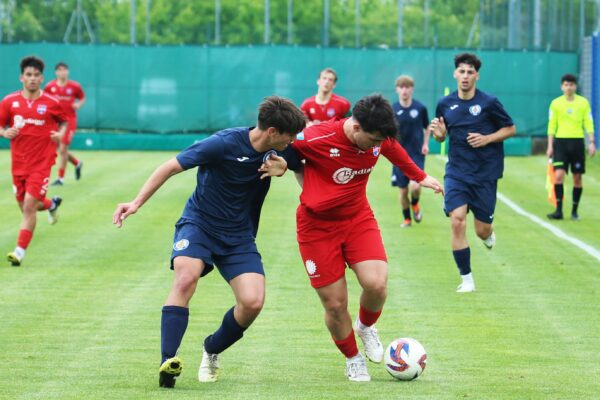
{"type": "Point", "coordinates": [399, 179]}
{"type": "Point", "coordinates": [231, 259]}
{"type": "Point", "coordinates": [479, 197]}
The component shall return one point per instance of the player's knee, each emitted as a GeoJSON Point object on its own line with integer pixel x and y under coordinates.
{"type": "Point", "coordinates": [336, 307]}
{"type": "Point", "coordinates": [252, 305]}
{"type": "Point", "coordinates": [458, 224]}
{"type": "Point", "coordinates": [30, 206]}
{"type": "Point", "coordinates": [185, 283]}
{"type": "Point", "coordinates": [483, 232]}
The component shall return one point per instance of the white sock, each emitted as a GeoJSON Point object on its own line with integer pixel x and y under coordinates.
{"type": "Point", "coordinates": [20, 252]}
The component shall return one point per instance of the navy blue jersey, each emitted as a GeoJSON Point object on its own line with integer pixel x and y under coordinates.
{"type": "Point", "coordinates": [411, 120]}
{"type": "Point", "coordinates": [482, 114]}
{"type": "Point", "coordinates": [229, 193]}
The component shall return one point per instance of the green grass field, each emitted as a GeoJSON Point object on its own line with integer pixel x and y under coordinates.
{"type": "Point", "coordinates": [81, 318]}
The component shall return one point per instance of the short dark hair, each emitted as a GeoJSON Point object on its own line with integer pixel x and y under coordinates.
{"type": "Point", "coordinates": [469, 59]}
{"type": "Point", "coordinates": [61, 64]}
{"type": "Point", "coordinates": [32, 61]}
{"type": "Point", "coordinates": [281, 114]}
{"type": "Point", "coordinates": [568, 78]}
{"type": "Point", "coordinates": [375, 114]}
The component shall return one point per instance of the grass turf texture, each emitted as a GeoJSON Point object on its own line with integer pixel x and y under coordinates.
{"type": "Point", "coordinates": [81, 317]}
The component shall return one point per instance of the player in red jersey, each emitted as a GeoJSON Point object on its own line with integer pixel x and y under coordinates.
{"type": "Point", "coordinates": [71, 98]}
{"type": "Point", "coordinates": [36, 123]}
{"type": "Point", "coordinates": [336, 226]}
{"type": "Point", "coordinates": [325, 105]}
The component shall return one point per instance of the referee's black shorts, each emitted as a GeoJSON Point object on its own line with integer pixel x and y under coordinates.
{"type": "Point", "coordinates": [569, 153]}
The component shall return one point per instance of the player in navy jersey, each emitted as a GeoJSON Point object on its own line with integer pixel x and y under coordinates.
{"type": "Point", "coordinates": [218, 227]}
{"type": "Point", "coordinates": [477, 125]}
{"type": "Point", "coordinates": [413, 135]}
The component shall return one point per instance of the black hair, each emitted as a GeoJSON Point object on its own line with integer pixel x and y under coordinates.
{"type": "Point", "coordinates": [281, 114]}
{"type": "Point", "coordinates": [375, 114]}
{"type": "Point", "coordinates": [33, 62]}
{"type": "Point", "coordinates": [568, 78]}
{"type": "Point", "coordinates": [61, 64]}
{"type": "Point", "coordinates": [469, 59]}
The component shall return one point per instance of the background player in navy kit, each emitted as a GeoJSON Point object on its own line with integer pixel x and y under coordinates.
{"type": "Point", "coordinates": [477, 125]}
{"type": "Point", "coordinates": [413, 135]}
{"type": "Point", "coordinates": [218, 227]}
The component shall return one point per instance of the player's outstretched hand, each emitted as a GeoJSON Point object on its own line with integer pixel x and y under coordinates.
{"type": "Point", "coordinates": [477, 140]}
{"type": "Point", "coordinates": [432, 183]}
{"type": "Point", "coordinates": [274, 166]}
{"type": "Point", "coordinates": [11, 133]}
{"type": "Point", "coordinates": [438, 129]}
{"type": "Point", "coordinates": [123, 211]}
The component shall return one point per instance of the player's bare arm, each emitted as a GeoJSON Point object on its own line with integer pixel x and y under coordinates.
{"type": "Point", "coordinates": [478, 140]}
{"type": "Point", "coordinates": [592, 146]}
{"type": "Point", "coordinates": [156, 180]}
{"type": "Point", "coordinates": [9, 133]}
{"type": "Point", "coordinates": [426, 135]}
{"type": "Point", "coordinates": [58, 135]}
{"type": "Point", "coordinates": [432, 183]}
{"type": "Point", "coordinates": [274, 166]}
{"type": "Point", "coordinates": [438, 129]}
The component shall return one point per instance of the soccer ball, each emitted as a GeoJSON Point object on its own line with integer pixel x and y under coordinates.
{"type": "Point", "coordinates": [405, 359]}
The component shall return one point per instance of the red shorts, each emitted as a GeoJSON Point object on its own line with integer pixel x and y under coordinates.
{"type": "Point", "coordinates": [71, 128]}
{"type": "Point", "coordinates": [327, 246]}
{"type": "Point", "coordinates": [35, 183]}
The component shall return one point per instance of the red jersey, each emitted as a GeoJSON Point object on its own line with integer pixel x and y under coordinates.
{"type": "Point", "coordinates": [32, 149]}
{"type": "Point", "coordinates": [336, 171]}
{"type": "Point", "coordinates": [66, 94]}
{"type": "Point", "coordinates": [337, 108]}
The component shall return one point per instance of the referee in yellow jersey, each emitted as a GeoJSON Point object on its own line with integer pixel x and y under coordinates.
{"type": "Point", "coordinates": [570, 117]}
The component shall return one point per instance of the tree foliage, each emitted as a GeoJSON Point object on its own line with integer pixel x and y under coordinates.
{"type": "Point", "coordinates": [447, 24]}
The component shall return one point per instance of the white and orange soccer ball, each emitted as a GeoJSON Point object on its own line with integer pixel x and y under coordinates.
{"type": "Point", "coordinates": [405, 359]}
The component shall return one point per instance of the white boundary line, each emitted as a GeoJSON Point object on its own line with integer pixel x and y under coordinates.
{"type": "Point", "coordinates": [534, 218]}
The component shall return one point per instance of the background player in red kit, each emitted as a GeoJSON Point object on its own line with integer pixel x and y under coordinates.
{"type": "Point", "coordinates": [36, 123]}
{"type": "Point", "coordinates": [335, 223]}
{"type": "Point", "coordinates": [71, 98]}
{"type": "Point", "coordinates": [325, 105]}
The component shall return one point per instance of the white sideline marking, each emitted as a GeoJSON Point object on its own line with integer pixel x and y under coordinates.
{"type": "Point", "coordinates": [556, 231]}
{"type": "Point", "coordinates": [534, 218]}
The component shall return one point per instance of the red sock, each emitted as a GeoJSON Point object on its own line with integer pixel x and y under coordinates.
{"type": "Point", "coordinates": [73, 160]}
{"type": "Point", "coordinates": [61, 173]}
{"type": "Point", "coordinates": [46, 204]}
{"type": "Point", "coordinates": [367, 317]}
{"type": "Point", "coordinates": [347, 346]}
{"type": "Point", "coordinates": [24, 238]}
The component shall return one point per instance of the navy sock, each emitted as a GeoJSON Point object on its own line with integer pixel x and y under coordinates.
{"type": "Point", "coordinates": [414, 201]}
{"type": "Point", "coordinates": [462, 258]}
{"type": "Point", "coordinates": [576, 197]}
{"type": "Point", "coordinates": [228, 333]}
{"type": "Point", "coordinates": [173, 324]}
{"type": "Point", "coordinates": [406, 213]}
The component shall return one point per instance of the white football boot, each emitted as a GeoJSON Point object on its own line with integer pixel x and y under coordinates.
{"type": "Point", "coordinates": [209, 367]}
{"type": "Point", "coordinates": [356, 369]}
{"type": "Point", "coordinates": [370, 339]}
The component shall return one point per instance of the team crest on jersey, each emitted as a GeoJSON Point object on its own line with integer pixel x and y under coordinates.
{"type": "Point", "coordinates": [268, 154]}
{"type": "Point", "coordinates": [181, 245]}
{"type": "Point", "coordinates": [69, 91]}
{"type": "Point", "coordinates": [312, 110]}
{"type": "Point", "coordinates": [376, 150]}
{"type": "Point", "coordinates": [15, 104]}
{"type": "Point", "coordinates": [330, 112]}
{"type": "Point", "coordinates": [475, 110]}
{"type": "Point", "coordinates": [414, 113]}
{"type": "Point", "coordinates": [41, 109]}
{"type": "Point", "coordinates": [53, 89]}
{"type": "Point", "coordinates": [569, 111]}
{"type": "Point", "coordinates": [333, 152]}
